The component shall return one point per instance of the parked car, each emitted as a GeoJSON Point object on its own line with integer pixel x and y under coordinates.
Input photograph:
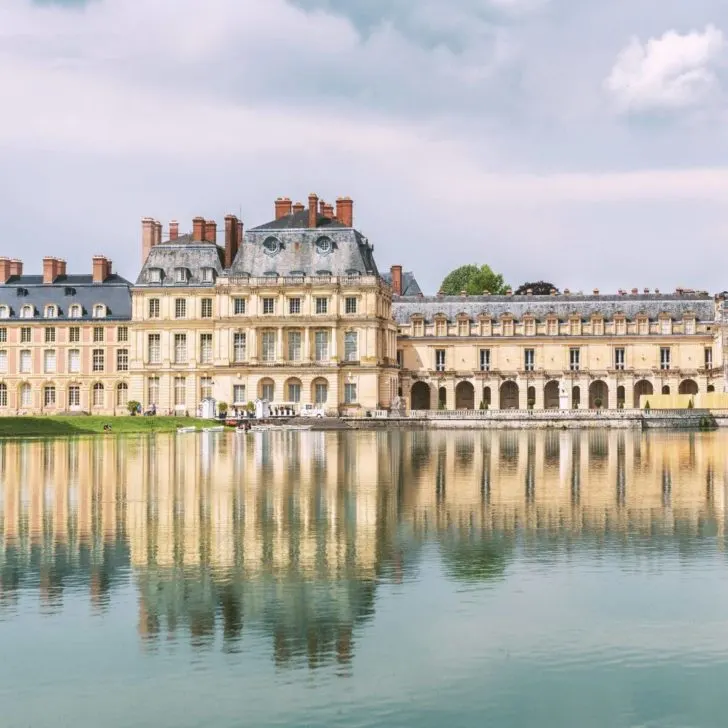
{"type": "Point", "coordinates": [312, 410]}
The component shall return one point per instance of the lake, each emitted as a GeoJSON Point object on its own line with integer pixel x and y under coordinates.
{"type": "Point", "coordinates": [354, 579]}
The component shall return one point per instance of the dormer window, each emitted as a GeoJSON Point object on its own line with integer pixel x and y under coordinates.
{"type": "Point", "coordinates": [154, 275]}
{"type": "Point", "coordinates": [75, 311]}
{"type": "Point", "coordinates": [689, 326]}
{"type": "Point", "coordinates": [208, 275]}
{"type": "Point", "coordinates": [180, 275]}
{"type": "Point", "coordinates": [69, 291]}
{"type": "Point", "coordinates": [4, 312]}
{"type": "Point", "coordinates": [323, 273]}
{"type": "Point", "coordinates": [99, 310]}
{"type": "Point", "coordinates": [27, 312]}
{"type": "Point", "coordinates": [51, 311]}
{"type": "Point", "coordinates": [352, 272]}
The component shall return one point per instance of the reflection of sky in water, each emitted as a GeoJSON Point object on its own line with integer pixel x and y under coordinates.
{"type": "Point", "coordinates": [364, 579]}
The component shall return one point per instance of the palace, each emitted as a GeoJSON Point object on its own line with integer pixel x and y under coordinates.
{"type": "Point", "coordinates": [295, 311]}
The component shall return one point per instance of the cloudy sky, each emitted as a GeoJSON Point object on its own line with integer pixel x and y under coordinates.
{"type": "Point", "coordinates": [585, 143]}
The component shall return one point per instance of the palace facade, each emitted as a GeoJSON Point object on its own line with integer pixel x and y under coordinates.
{"type": "Point", "coordinates": [295, 311]}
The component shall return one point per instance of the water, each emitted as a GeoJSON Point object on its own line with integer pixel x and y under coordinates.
{"type": "Point", "coordinates": [364, 579]}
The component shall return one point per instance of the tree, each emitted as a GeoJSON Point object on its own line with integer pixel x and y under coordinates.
{"type": "Point", "coordinates": [473, 279]}
{"type": "Point", "coordinates": [538, 288]}
{"type": "Point", "coordinates": [132, 405]}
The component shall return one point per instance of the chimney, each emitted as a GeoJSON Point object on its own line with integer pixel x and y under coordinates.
{"type": "Point", "coordinates": [322, 208]}
{"type": "Point", "coordinates": [283, 207]}
{"type": "Point", "coordinates": [231, 239]}
{"type": "Point", "coordinates": [312, 210]}
{"type": "Point", "coordinates": [4, 270]}
{"type": "Point", "coordinates": [49, 270]}
{"type": "Point", "coordinates": [345, 211]}
{"type": "Point", "coordinates": [147, 237]}
{"type": "Point", "coordinates": [298, 207]}
{"type": "Point", "coordinates": [100, 268]}
{"type": "Point", "coordinates": [173, 230]}
{"type": "Point", "coordinates": [240, 234]}
{"type": "Point", "coordinates": [211, 231]}
{"type": "Point", "coordinates": [157, 232]}
{"type": "Point", "coordinates": [329, 211]}
{"type": "Point", "coordinates": [16, 267]}
{"type": "Point", "coordinates": [198, 228]}
{"type": "Point", "coordinates": [396, 272]}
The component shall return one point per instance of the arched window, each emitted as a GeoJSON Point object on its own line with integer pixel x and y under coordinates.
{"type": "Point", "coordinates": [75, 311]}
{"type": "Point", "coordinates": [4, 312]}
{"type": "Point", "coordinates": [99, 310]}
{"type": "Point", "coordinates": [51, 311]}
{"type": "Point", "coordinates": [122, 394]}
{"type": "Point", "coordinates": [26, 395]}
{"type": "Point", "coordinates": [26, 312]}
{"type": "Point", "coordinates": [98, 395]}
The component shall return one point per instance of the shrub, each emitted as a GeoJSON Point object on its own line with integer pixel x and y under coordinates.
{"type": "Point", "coordinates": [690, 404]}
{"type": "Point", "coordinates": [598, 402]}
{"type": "Point", "coordinates": [222, 408]}
{"type": "Point", "coordinates": [647, 404]}
{"type": "Point", "coordinates": [132, 405]}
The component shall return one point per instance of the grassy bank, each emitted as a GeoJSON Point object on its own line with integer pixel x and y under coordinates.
{"type": "Point", "coordinates": [81, 425]}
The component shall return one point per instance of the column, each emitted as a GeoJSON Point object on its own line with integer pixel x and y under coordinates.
{"type": "Point", "coordinates": [306, 354]}
{"type": "Point", "coordinates": [280, 353]}
{"type": "Point", "coordinates": [612, 385]}
{"type": "Point", "coordinates": [433, 395]}
{"type": "Point", "coordinates": [334, 353]}
{"type": "Point", "coordinates": [252, 342]}
{"type": "Point", "coordinates": [539, 384]}
{"type": "Point", "coordinates": [522, 393]}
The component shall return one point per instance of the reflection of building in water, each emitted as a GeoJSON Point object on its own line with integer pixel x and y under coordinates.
{"type": "Point", "coordinates": [286, 535]}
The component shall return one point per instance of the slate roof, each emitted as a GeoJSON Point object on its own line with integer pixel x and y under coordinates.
{"type": "Point", "coordinates": [29, 290]}
{"type": "Point", "coordinates": [410, 286]}
{"type": "Point", "coordinates": [542, 307]}
{"type": "Point", "coordinates": [298, 221]}
{"type": "Point", "coordinates": [183, 252]}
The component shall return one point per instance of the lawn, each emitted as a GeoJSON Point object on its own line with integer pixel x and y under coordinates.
{"type": "Point", "coordinates": [91, 425]}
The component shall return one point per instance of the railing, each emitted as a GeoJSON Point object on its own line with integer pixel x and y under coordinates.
{"type": "Point", "coordinates": [276, 281]}
{"type": "Point", "coordinates": [553, 414]}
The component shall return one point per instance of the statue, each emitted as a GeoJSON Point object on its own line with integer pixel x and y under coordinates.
{"type": "Point", "coordinates": [399, 406]}
{"type": "Point", "coordinates": [564, 403]}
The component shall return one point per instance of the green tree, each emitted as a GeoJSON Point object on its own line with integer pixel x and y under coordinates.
{"type": "Point", "coordinates": [473, 279]}
{"type": "Point", "coordinates": [537, 288]}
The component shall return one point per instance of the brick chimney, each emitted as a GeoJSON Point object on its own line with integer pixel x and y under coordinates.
{"type": "Point", "coordinates": [101, 268]}
{"type": "Point", "coordinates": [298, 207]}
{"type": "Point", "coordinates": [147, 237]}
{"type": "Point", "coordinates": [396, 271]}
{"type": "Point", "coordinates": [211, 231]}
{"type": "Point", "coordinates": [198, 228]}
{"type": "Point", "coordinates": [52, 268]}
{"type": "Point", "coordinates": [157, 232]}
{"type": "Point", "coordinates": [345, 211]}
{"type": "Point", "coordinates": [232, 224]}
{"type": "Point", "coordinates": [16, 267]}
{"type": "Point", "coordinates": [322, 208]}
{"type": "Point", "coordinates": [328, 211]}
{"type": "Point", "coordinates": [173, 230]}
{"type": "Point", "coordinates": [283, 207]}
{"type": "Point", "coordinates": [312, 210]}
{"type": "Point", "coordinates": [4, 270]}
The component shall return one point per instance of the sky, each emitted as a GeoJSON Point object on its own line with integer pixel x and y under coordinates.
{"type": "Point", "coordinates": [582, 143]}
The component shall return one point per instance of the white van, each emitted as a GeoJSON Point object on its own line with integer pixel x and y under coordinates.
{"type": "Point", "coordinates": [312, 410]}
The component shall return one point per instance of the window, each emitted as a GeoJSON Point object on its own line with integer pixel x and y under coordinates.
{"type": "Point", "coordinates": [180, 308]}
{"type": "Point", "coordinates": [440, 360]}
{"type": "Point", "coordinates": [99, 310]}
{"type": "Point", "coordinates": [180, 348]}
{"type": "Point", "coordinates": [50, 335]}
{"type": "Point", "coordinates": [463, 328]}
{"type": "Point", "coordinates": [508, 328]}
{"type": "Point", "coordinates": [440, 327]}
{"type": "Point", "coordinates": [206, 387]}
{"type": "Point", "coordinates": [529, 327]}
{"type": "Point", "coordinates": [418, 328]}
{"type": "Point", "coordinates": [206, 311]}
{"type": "Point", "coordinates": [620, 326]}
{"type": "Point", "coordinates": [268, 390]}
{"type": "Point", "coordinates": [153, 308]}
{"type": "Point", "coordinates": [708, 357]}
{"type": "Point", "coordinates": [26, 396]}
{"type": "Point", "coordinates": [3, 360]}
{"type": "Point", "coordinates": [97, 360]}
{"type": "Point", "coordinates": [665, 326]}
{"type": "Point", "coordinates": [3, 395]}
{"type": "Point", "coordinates": [351, 346]}
{"type": "Point", "coordinates": [294, 392]}
{"type": "Point", "coordinates": [208, 275]}
{"type": "Point", "coordinates": [574, 359]}
{"type": "Point", "coordinates": [98, 334]}
{"type": "Point", "coordinates": [294, 305]}
{"type": "Point", "coordinates": [74, 334]}
{"type": "Point", "coordinates": [26, 312]}
{"type": "Point", "coordinates": [528, 359]}
{"type": "Point", "coordinates": [75, 311]}
{"type": "Point", "coordinates": [74, 361]}
{"type": "Point", "coordinates": [269, 306]}
{"type": "Point", "coordinates": [154, 275]}
{"type": "Point", "coordinates": [122, 360]}
{"type": "Point", "coordinates": [155, 348]}
{"type": "Point", "coordinates": [239, 394]}
{"type": "Point", "coordinates": [74, 396]}
{"type": "Point", "coordinates": [239, 346]}
{"type": "Point", "coordinates": [575, 327]}
{"type": "Point", "coordinates": [349, 393]}
{"type": "Point", "coordinates": [25, 362]}
{"type": "Point", "coordinates": [294, 346]}
{"type": "Point", "coordinates": [268, 340]}
{"type": "Point", "coordinates": [690, 326]}
{"type": "Point", "coordinates": [98, 395]}
{"type": "Point", "coordinates": [485, 360]}
{"type": "Point", "coordinates": [122, 334]}
{"type": "Point", "coordinates": [3, 335]}
{"type": "Point", "coordinates": [643, 326]}
{"type": "Point", "coordinates": [153, 390]}
{"type": "Point", "coordinates": [598, 327]}
{"type": "Point", "coordinates": [486, 327]}
{"type": "Point", "coordinates": [321, 341]}
{"type": "Point", "coordinates": [238, 306]}
{"type": "Point", "coordinates": [49, 396]}
{"type": "Point", "coordinates": [321, 392]}
{"type": "Point", "coordinates": [122, 394]}
{"type": "Point", "coordinates": [49, 361]}
{"type": "Point", "coordinates": [25, 335]}
{"type": "Point", "coordinates": [350, 304]}
{"type": "Point", "coordinates": [400, 358]}
{"type": "Point", "coordinates": [51, 312]}
{"type": "Point", "coordinates": [619, 359]}
{"type": "Point", "coordinates": [206, 348]}
{"type": "Point", "coordinates": [4, 312]}
{"type": "Point", "coordinates": [180, 275]}
{"type": "Point", "coordinates": [664, 357]}
{"type": "Point", "coordinates": [180, 391]}
{"type": "Point", "coordinates": [322, 305]}
{"type": "Point", "coordinates": [552, 327]}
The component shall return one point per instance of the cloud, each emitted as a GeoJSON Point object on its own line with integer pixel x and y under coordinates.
{"type": "Point", "coordinates": [671, 72]}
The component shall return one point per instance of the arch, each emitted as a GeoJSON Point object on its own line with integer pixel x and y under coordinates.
{"type": "Point", "coordinates": [292, 390]}
{"type": "Point", "coordinates": [442, 398]}
{"type": "Point", "coordinates": [267, 389]}
{"type": "Point", "coordinates": [27, 311]}
{"type": "Point", "coordinates": [711, 387]}
{"type": "Point", "coordinates": [531, 397]}
{"type": "Point", "coordinates": [575, 397]}
{"type": "Point", "coordinates": [51, 311]}
{"type": "Point", "coordinates": [620, 396]}
{"type": "Point", "coordinates": [26, 395]}
{"type": "Point", "coordinates": [465, 396]}
{"type": "Point", "coordinates": [598, 393]}
{"type": "Point", "coordinates": [122, 394]}
{"type": "Point", "coordinates": [320, 390]}
{"type": "Point", "coordinates": [4, 312]}
{"type": "Point", "coordinates": [643, 387]}
{"type": "Point", "coordinates": [666, 389]}
{"type": "Point", "coordinates": [509, 395]}
{"type": "Point", "coordinates": [99, 310]}
{"type": "Point", "coordinates": [551, 395]}
{"type": "Point", "coordinates": [688, 386]}
{"type": "Point", "coordinates": [420, 396]}
{"type": "Point", "coordinates": [487, 397]}
{"type": "Point", "coordinates": [75, 311]}
{"type": "Point", "coordinates": [97, 395]}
